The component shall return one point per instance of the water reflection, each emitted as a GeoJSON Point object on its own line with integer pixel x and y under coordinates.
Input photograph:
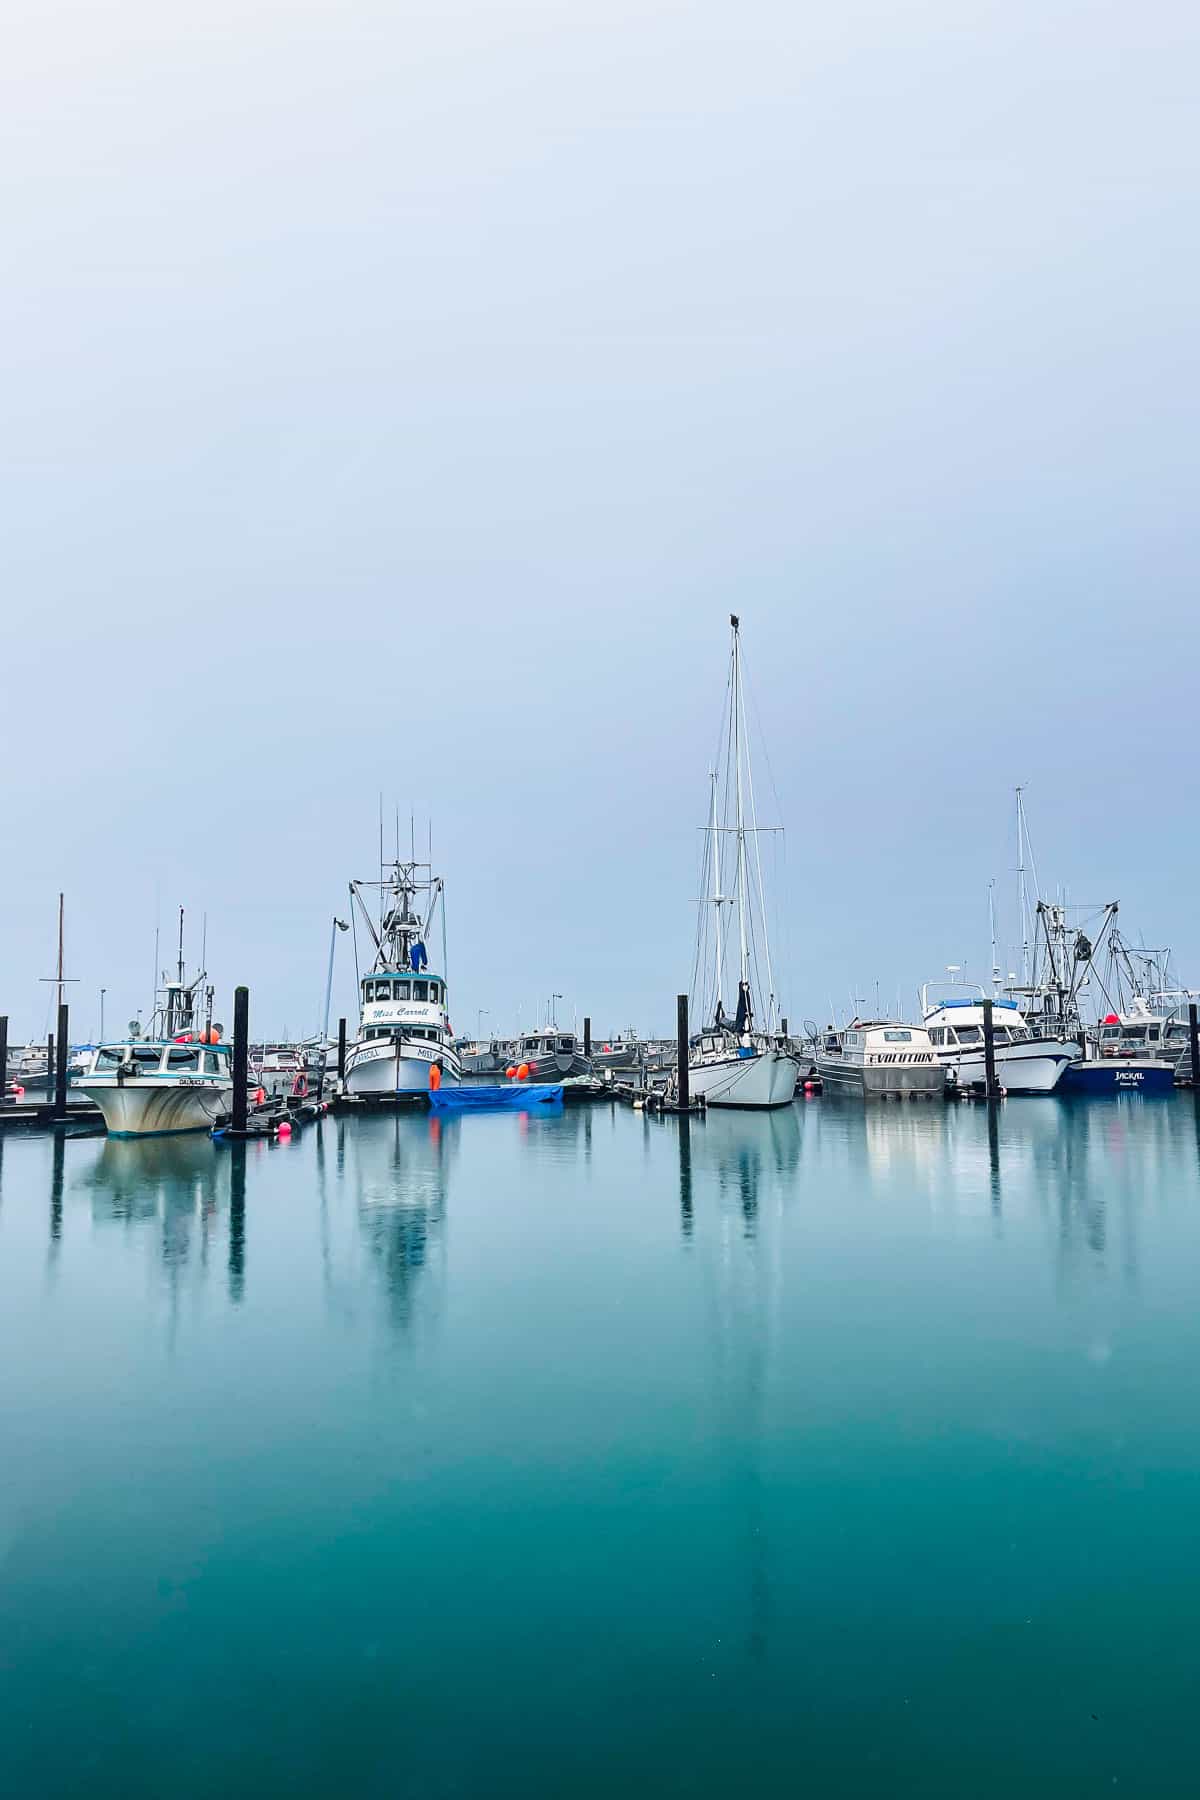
{"type": "Point", "coordinates": [398, 1169]}
{"type": "Point", "coordinates": [737, 1171]}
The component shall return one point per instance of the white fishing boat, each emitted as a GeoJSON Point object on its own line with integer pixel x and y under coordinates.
{"type": "Point", "coordinates": [743, 1060]}
{"type": "Point", "coordinates": [178, 1078]}
{"type": "Point", "coordinates": [880, 1059]}
{"type": "Point", "coordinates": [1026, 1063]}
{"type": "Point", "coordinates": [404, 1029]}
{"type": "Point", "coordinates": [145, 1087]}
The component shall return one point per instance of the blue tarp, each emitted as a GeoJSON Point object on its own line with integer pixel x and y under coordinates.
{"type": "Point", "coordinates": [514, 1096]}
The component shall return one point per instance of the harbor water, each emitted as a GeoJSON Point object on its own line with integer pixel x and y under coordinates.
{"type": "Point", "coordinates": [843, 1451]}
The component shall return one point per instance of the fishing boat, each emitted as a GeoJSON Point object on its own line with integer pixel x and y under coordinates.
{"type": "Point", "coordinates": [404, 1029]}
{"type": "Point", "coordinates": [880, 1059]}
{"type": "Point", "coordinates": [145, 1087]}
{"type": "Point", "coordinates": [177, 1078]}
{"type": "Point", "coordinates": [743, 1059]}
{"type": "Point", "coordinates": [551, 1055]}
{"type": "Point", "coordinates": [1027, 1062]}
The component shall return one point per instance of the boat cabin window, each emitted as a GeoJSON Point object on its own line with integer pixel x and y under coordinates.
{"type": "Point", "coordinates": [400, 990]}
{"type": "Point", "coordinates": [433, 991]}
{"type": "Point", "coordinates": [937, 1035]}
{"type": "Point", "coordinates": [852, 1037]}
{"type": "Point", "coordinates": [420, 990]}
{"type": "Point", "coordinates": [108, 1060]}
{"type": "Point", "coordinates": [1153, 1034]}
{"type": "Point", "coordinates": [897, 1037]}
{"type": "Point", "coordinates": [146, 1057]}
{"type": "Point", "coordinates": [183, 1060]}
{"type": "Point", "coordinates": [1132, 1033]}
{"type": "Point", "coordinates": [969, 1034]}
{"type": "Point", "coordinates": [212, 1063]}
{"type": "Point", "coordinates": [564, 1046]}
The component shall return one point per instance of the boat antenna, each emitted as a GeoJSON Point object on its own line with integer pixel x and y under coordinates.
{"type": "Point", "coordinates": [992, 923]}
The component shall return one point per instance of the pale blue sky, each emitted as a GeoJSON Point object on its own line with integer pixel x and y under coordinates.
{"type": "Point", "coordinates": [402, 400]}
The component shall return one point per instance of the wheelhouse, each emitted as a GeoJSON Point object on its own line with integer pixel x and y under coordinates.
{"type": "Point", "coordinates": [548, 1043]}
{"type": "Point", "coordinates": [420, 990]}
{"type": "Point", "coordinates": [163, 1060]}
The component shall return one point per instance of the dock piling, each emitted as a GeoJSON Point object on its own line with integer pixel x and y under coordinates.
{"type": "Point", "coordinates": [3, 1055]}
{"type": "Point", "coordinates": [587, 1038]}
{"type": "Point", "coordinates": [1194, 1043]}
{"type": "Point", "coordinates": [681, 1051]}
{"type": "Point", "coordinates": [341, 1066]}
{"type": "Point", "coordinates": [50, 1067]}
{"type": "Point", "coordinates": [60, 1066]}
{"type": "Point", "coordinates": [241, 1055]}
{"type": "Point", "coordinates": [989, 1052]}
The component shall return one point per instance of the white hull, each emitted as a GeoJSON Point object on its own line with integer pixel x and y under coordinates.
{"type": "Point", "coordinates": [1035, 1067]}
{"type": "Point", "coordinates": [374, 1069]}
{"type": "Point", "coordinates": [767, 1079]}
{"type": "Point", "coordinates": [150, 1107]}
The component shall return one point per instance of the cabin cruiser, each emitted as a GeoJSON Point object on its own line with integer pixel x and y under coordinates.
{"type": "Point", "coordinates": [146, 1086]}
{"type": "Point", "coordinates": [880, 1059]}
{"type": "Point", "coordinates": [1025, 1063]}
{"type": "Point", "coordinates": [404, 1030]}
{"type": "Point", "coordinates": [552, 1055]}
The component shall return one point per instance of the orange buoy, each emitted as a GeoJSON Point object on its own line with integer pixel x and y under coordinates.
{"type": "Point", "coordinates": [523, 1072]}
{"type": "Point", "coordinates": [511, 1071]}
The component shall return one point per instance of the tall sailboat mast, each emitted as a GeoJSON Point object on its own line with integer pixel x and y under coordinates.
{"type": "Point", "coordinates": [716, 893]}
{"type": "Point", "coordinates": [1022, 896]}
{"type": "Point", "coordinates": [744, 954]}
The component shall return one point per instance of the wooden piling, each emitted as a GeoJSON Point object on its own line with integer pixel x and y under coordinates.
{"type": "Point", "coordinates": [62, 1047]}
{"type": "Point", "coordinates": [3, 1055]}
{"type": "Point", "coordinates": [241, 1056]}
{"type": "Point", "coordinates": [587, 1038]}
{"type": "Point", "coordinates": [989, 1052]}
{"type": "Point", "coordinates": [341, 1066]}
{"type": "Point", "coordinates": [1194, 1043]}
{"type": "Point", "coordinates": [50, 1065]}
{"type": "Point", "coordinates": [682, 1082]}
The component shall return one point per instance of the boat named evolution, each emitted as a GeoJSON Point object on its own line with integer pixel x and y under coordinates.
{"type": "Point", "coordinates": [404, 1030]}
{"type": "Point", "coordinates": [743, 1060]}
{"type": "Point", "coordinates": [880, 1059]}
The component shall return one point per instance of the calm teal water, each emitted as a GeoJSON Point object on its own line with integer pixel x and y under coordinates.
{"type": "Point", "coordinates": [834, 1453]}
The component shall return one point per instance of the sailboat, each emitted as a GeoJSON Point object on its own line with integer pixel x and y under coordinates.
{"type": "Point", "coordinates": [743, 1060]}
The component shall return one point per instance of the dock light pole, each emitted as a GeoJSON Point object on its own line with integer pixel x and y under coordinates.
{"type": "Point", "coordinates": [554, 1009]}
{"type": "Point", "coordinates": [481, 1012]}
{"type": "Point", "coordinates": [338, 925]}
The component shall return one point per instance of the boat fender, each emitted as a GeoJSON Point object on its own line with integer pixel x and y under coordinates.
{"type": "Point", "coordinates": [300, 1086]}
